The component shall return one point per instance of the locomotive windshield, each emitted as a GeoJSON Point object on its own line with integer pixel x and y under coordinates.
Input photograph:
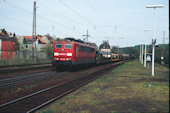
{"type": "Point", "coordinates": [58, 46]}
{"type": "Point", "coordinates": [68, 46]}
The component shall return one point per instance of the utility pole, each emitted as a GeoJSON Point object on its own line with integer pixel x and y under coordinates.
{"type": "Point", "coordinates": [145, 47]}
{"type": "Point", "coordinates": [145, 55]}
{"type": "Point", "coordinates": [87, 35]}
{"type": "Point", "coordinates": [34, 27]}
{"type": "Point", "coordinates": [154, 38]}
{"type": "Point", "coordinates": [142, 54]}
{"type": "Point", "coordinates": [162, 52]}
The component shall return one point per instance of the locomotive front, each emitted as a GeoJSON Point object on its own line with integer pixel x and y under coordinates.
{"type": "Point", "coordinates": [63, 53]}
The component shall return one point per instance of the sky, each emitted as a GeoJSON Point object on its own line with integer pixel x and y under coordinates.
{"type": "Point", "coordinates": [118, 21]}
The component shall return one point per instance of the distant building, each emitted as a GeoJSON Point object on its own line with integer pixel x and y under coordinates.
{"type": "Point", "coordinates": [105, 47]}
{"type": "Point", "coordinates": [8, 46]}
{"type": "Point", "coordinates": [48, 39]}
{"type": "Point", "coordinates": [40, 43]}
{"type": "Point", "coordinates": [31, 47]}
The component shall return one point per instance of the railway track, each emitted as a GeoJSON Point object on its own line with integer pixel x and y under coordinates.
{"type": "Point", "coordinates": [11, 69]}
{"type": "Point", "coordinates": [32, 102]}
{"type": "Point", "coordinates": [23, 65]}
{"type": "Point", "coordinates": [26, 78]}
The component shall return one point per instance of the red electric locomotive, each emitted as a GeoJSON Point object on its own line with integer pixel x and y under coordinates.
{"type": "Point", "coordinates": [69, 52]}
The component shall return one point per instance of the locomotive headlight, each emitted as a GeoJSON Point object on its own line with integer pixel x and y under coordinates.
{"type": "Point", "coordinates": [56, 54]}
{"type": "Point", "coordinates": [68, 59]}
{"type": "Point", "coordinates": [69, 54]}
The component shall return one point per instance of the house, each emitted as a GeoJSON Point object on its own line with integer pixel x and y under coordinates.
{"type": "Point", "coordinates": [48, 39]}
{"type": "Point", "coordinates": [8, 46]}
{"type": "Point", "coordinates": [42, 41]}
{"type": "Point", "coordinates": [31, 47]}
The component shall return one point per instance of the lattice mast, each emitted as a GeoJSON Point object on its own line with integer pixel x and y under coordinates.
{"type": "Point", "coordinates": [34, 21]}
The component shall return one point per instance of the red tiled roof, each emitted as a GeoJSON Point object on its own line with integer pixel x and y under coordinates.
{"type": "Point", "coordinates": [30, 38]}
{"type": "Point", "coordinates": [41, 39]}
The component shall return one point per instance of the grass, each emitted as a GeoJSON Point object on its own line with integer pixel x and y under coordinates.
{"type": "Point", "coordinates": [115, 112]}
{"type": "Point", "coordinates": [29, 87]}
{"type": "Point", "coordinates": [62, 102]}
{"type": "Point", "coordinates": [68, 97]}
{"type": "Point", "coordinates": [22, 61]}
{"type": "Point", "coordinates": [48, 111]}
{"type": "Point", "coordinates": [125, 89]}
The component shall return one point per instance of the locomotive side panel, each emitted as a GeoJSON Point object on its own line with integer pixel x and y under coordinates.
{"type": "Point", "coordinates": [84, 54]}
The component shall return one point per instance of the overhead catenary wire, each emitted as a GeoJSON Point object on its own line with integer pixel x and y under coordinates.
{"type": "Point", "coordinates": [17, 20]}
{"type": "Point", "coordinates": [65, 17]}
{"type": "Point", "coordinates": [81, 16]}
{"type": "Point", "coordinates": [97, 13]}
{"type": "Point", "coordinates": [102, 17]}
{"type": "Point", "coordinates": [14, 28]}
{"type": "Point", "coordinates": [44, 18]}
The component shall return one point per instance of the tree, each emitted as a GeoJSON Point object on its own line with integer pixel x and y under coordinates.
{"type": "Point", "coordinates": [14, 35]}
{"type": "Point", "coordinates": [116, 49]}
{"type": "Point", "coordinates": [49, 50]}
{"type": "Point", "coordinates": [58, 39]}
{"type": "Point", "coordinates": [4, 31]}
{"type": "Point", "coordinates": [25, 41]}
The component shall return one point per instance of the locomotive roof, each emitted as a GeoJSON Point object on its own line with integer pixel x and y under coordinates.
{"type": "Point", "coordinates": [75, 40]}
{"type": "Point", "coordinates": [79, 41]}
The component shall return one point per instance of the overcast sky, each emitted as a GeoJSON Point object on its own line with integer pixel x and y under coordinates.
{"type": "Point", "coordinates": [119, 21]}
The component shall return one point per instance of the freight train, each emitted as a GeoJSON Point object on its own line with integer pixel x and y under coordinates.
{"type": "Point", "coordinates": [70, 52]}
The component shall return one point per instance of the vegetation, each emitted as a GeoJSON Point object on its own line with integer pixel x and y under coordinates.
{"type": "Point", "coordinates": [58, 39]}
{"type": "Point", "coordinates": [49, 50]}
{"type": "Point", "coordinates": [128, 88]}
{"type": "Point", "coordinates": [161, 50]}
{"type": "Point", "coordinates": [25, 41]}
{"type": "Point", "coordinates": [116, 49]}
{"type": "Point", "coordinates": [21, 61]}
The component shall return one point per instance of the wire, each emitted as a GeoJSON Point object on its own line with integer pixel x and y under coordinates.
{"type": "Point", "coordinates": [97, 13]}
{"type": "Point", "coordinates": [17, 20]}
{"type": "Point", "coordinates": [51, 21]}
{"type": "Point", "coordinates": [88, 21]}
{"type": "Point", "coordinates": [14, 28]}
{"type": "Point", "coordinates": [65, 17]}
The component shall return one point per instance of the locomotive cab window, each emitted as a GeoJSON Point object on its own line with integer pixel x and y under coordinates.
{"type": "Point", "coordinates": [68, 46]}
{"type": "Point", "coordinates": [58, 46]}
